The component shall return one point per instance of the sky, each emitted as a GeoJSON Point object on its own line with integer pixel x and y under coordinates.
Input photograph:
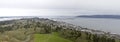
{"type": "Point", "coordinates": [59, 7]}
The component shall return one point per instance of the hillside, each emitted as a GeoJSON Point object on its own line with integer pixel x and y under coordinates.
{"type": "Point", "coordinates": [38, 29]}
{"type": "Point", "coordinates": [53, 37]}
{"type": "Point", "coordinates": [101, 16]}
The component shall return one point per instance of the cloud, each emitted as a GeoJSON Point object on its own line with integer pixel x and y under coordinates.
{"type": "Point", "coordinates": [59, 7]}
{"type": "Point", "coordinates": [38, 4]}
{"type": "Point", "coordinates": [36, 12]}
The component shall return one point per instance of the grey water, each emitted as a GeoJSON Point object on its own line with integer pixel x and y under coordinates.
{"type": "Point", "coordinates": [103, 24]}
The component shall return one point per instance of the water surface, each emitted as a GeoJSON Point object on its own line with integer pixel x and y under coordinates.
{"type": "Point", "coordinates": [108, 25]}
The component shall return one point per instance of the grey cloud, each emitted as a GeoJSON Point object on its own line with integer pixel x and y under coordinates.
{"type": "Point", "coordinates": [66, 7]}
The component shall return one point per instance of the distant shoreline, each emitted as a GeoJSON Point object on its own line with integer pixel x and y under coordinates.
{"type": "Point", "coordinates": [101, 16]}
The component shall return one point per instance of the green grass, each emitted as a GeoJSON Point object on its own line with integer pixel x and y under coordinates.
{"type": "Point", "coordinates": [49, 38]}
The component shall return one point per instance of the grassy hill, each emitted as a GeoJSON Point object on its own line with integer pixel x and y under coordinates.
{"type": "Point", "coordinates": [45, 30]}
{"type": "Point", "coordinates": [53, 37]}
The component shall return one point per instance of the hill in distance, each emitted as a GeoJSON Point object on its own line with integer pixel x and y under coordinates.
{"type": "Point", "coordinates": [101, 16]}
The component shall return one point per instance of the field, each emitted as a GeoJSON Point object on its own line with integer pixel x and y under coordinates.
{"type": "Point", "coordinates": [53, 37]}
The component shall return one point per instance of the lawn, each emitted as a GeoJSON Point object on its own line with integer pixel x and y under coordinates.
{"type": "Point", "coordinates": [53, 37]}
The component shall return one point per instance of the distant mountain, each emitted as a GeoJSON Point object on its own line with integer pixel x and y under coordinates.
{"type": "Point", "coordinates": [101, 16]}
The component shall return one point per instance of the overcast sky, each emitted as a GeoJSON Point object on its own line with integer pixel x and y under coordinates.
{"type": "Point", "coordinates": [58, 7]}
